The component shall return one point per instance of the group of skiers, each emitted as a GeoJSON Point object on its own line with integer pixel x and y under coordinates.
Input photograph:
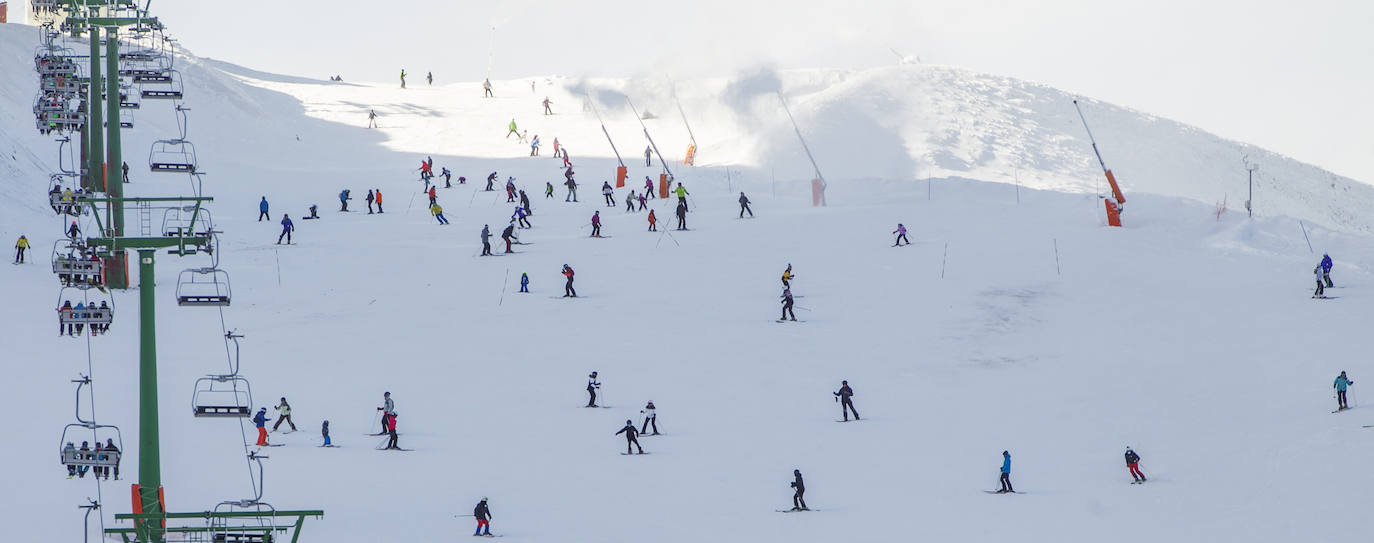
{"type": "Point", "coordinates": [88, 458]}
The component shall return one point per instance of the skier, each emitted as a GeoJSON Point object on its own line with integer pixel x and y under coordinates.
{"type": "Point", "coordinates": [608, 193]}
{"type": "Point", "coordinates": [490, 180]}
{"type": "Point", "coordinates": [486, 241]}
{"type": "Point", "coordinates": [596, 224]}
{"type": "Point", "coordinates": [285, 409]}
{"type": "Point", "coordinates": [568, 290]}
{"type": "Point", "coordinates": [438, 212]}
{"type": "Point", "coordinates": [1133, 464]}
{"type": "Point", "coordinates": [630, 202]}
{"type": "Point", "coordinates": [126, 171]}
{"type": "Point", "coordinates": [429, 78]}
{"type": "Point", "coordinates": [262, 210]}
{"type": "Point", "coordinates": [642, 201]}
{"type": "Point", "coordinates": [111, 448]}
{"type": "Point", "coordinates": [572, 187]}
{"type": "Point", "coordinates": [448, 177]}
{"type": "Point", "coordinates": [403, 78]}
{"type": "Point", "coordinates": [1320, 293]}
{"type": "Point", "coordinates": [524, 282]}
{"type": "Point", "coordinates": [1326, 269]}
{"type": "Point", "coordinates": [556, 147]}
{"type": "Point", "coordinates": [787, 277]}
{"type": "Point", "coordinates": [681, 216]}
{"type": "Point", "coordinates": [1006, 473]}
{"type": "Point", "coordinates": [324, 431]}
{"type": "Point", "coordinates": [652, 221]}
{"type": "Point", "coordinates": [433, 196]}
{"type": "Point", "coordinates": [287, 227]}
{"type": "Point", "coordinates": [787, 308]}
{"type": "Point", "coordinates": [649, 187]}
{"type": "Point", "coordinates": [845, 397]}
{"type": "Point", "coordinates": [21, 245]}
{"type": "Point", "coordinates": [343, 200]}
{"type": "Point", "coordinates": [73, 231]}
{"type": "Point", "coordinates": [682, 193]}
{"type": "Point", "coordinates": [901, 235]}
{"type": "Point", "coordinates": [744, 206]}
{"type": "Point", "coordinates": [486, 89]}
{"type": "Point", "coordinates": [534, 146]}
{"type": "Point", "coordinates": [525, 203]}
{"type": "Point", "coordinates": [548, 189]}
{"type": "Point", "coordinates": [547, 111]}
{"type": "Point", "coordinates": [483, 516]}
{"type": "Point", "coordinates": [388, 410]}
{"type": "Point", "coordinates": [379, 201]}
{"type": "Point", "coordinates": [799, 490]}
{"type": "Point", "coordinates": [630, 432]}
{"type": "Point", "coordinates": [521, 216]}
{"type": "Point", "coordinates": [69, 451]}
{"type": "Point", "coordinates": [84, 453]}
{"type": "Point", "coordinates": [372, 118]}
{"type": "Point", "coordinates": [391, 431]}
{"type": "Point", "coordinates": [592, 385]}
{"type": "Point", "coordinates": [650, 417]}
{"type": "Point", "coordinates": [648, 155]}
{"type": "Point", "coordinates": [507, 234]}
{"type": "Point", "coordinates": [370, 198]}
{"type": "Point", "coordinates": [524, 136]}
{"type": "Point", "coordinates": [261, 421]}
{"type": "Point", "coordinates": [510, 189]}
{"type": "Point", "coordinates": [512, 130]}
{"type": "Point", "coordinates": [1341, 384]}
{"type": "Point", "coordinates": [567, 162]}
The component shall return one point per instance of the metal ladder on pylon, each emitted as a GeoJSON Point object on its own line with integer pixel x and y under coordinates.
{"type": "Point", "coordinates": [145, 219]}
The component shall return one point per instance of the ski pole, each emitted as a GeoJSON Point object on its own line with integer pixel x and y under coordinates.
{"type": "Point", "coordinates": [374, 419]}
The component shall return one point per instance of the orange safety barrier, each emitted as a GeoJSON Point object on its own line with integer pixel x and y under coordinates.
{"type": "Point", "coordinates": [663, 185]}
{"type": "Point", "coordinates": [817, 193]}
{"type": "Point", "coordinates": [620, 176]}
{"type": "Point", "coordinates": [1113, 212]}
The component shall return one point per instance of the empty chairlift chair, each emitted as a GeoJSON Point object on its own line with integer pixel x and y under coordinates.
{"type": "Point", "coordinates": [219, 396]}
{"type": "Point", "coordinates": [172, 92]}
{"type": "Point", "coordinates": [187, 221]}
{"type": "Point", "coordinates": [203, 287]}
{"type": "Point", "coordinates": [176, 155]}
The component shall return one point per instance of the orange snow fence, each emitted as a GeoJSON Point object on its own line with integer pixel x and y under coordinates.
{"type": "Point", "coordinates": [663, 185]}
{"type": "Point", "coordinates": [817, 193]}
{"type": "Point", "coordinates": [619, 176]}
{"type": "Point", "coordinates": [691, 155]}
{"type": "Point", "coordinates": [1113, 212]}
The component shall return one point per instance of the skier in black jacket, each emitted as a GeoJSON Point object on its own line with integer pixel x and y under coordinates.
{"type": "Point", "coordinates": [744, 206]}
{"type": "Point", "coordinates": [798, 504]}
{"type": "Point", "coordinates": [483, 516]}
{"type": "Point", "coordinates": [846, 404]}
{"type": "Point", "coordinates": [630, 432]}
{"type": "Point", "coordinates": [490, 179]}
{"type": "Point", "coordinates": [592, 385]}
{"type": "Point", "coordinates": [1133, 463]}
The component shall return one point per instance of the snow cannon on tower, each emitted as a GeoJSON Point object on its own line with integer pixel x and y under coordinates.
{"type": "Point", "coordinates": [1116, 204]}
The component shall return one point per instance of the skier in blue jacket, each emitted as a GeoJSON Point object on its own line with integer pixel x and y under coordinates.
{"type": "Point", "coordinates": [524, 282]}
{"type": "Point", "coordinates": [262, 210]}
{"type": "Point", "coordinates": [1006, 473]}
{"type": "Point", "coordinates": [286, 228]}
{"type": "Point", "coordinates": [1326, 269]}
{"type": "Point", "coordinates": [1341, 384]}
{"type": "Point", "coordinates": [260, 420]}
{"type": "Point", "coordinates": [343, 200]}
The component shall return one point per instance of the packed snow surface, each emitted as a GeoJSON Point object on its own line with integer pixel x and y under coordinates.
{"type": "Point", "coordinates": [1014, 321]}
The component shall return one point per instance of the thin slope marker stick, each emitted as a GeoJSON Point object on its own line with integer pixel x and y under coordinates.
{"type": "Point", "coordinates": [1057, 269]}
{"type": "Point", "coordinates": [277, 253]}
{"type": "Point", "coordinates": [503, 288]}
{"type": "Point", "coordinates": [943, 259]}
{"type": "Point", "coordinates": [1304, 236]}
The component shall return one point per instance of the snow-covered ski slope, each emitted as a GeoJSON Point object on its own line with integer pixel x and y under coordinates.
{"type": "Point", "coordinates": [1015, 321]}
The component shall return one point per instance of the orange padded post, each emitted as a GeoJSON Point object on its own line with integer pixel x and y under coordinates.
{"type": "Point", "coordinates": [691, 155]}
{"type": "Point", "coordinates": [663, 185]}
{"type": "Point", "coordinates": [817, 193]}
{"type": "Point", "coordinates": [619, 176]}
{"type": "Point", "coordinates": [1113, 212]}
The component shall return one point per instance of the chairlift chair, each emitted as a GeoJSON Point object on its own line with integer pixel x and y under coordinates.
{"type": "Point", "coordinates": [177, 222]}
{"type": "Point", "coordinates": [174, 92]}
{"type": "Point", "coordinates": [264, 532]}
{"type": "Point", "coordinates": [203, 287]}
{"type": "Point", "coordinates": [96, 318]}
{"type": "Point", "coordinates": [73, 268]}
{"type": "Point", "coordinates": [90, 458]}
{"type": "Point", "coordinates": [222, 396]}
{"type": "Point", "coordinates": [174, 155]}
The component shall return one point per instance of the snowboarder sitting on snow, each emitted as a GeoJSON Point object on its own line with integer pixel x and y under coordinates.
{"type": "Point", "coordinates": [630, 439]}
{"type": "Point", "coordinates": [1133, 463]}
{"type": "Point", "coordinates": [901, 235]}
{"type": "Point", "coordinates": [314, 212]}
{"type": "Point", "coordinates": [799, 490]}
{"type": "Point", "coordinates": [285, 409]}
{"type": "Point", "coordinates": [1341, 384]}
{"type": "Point", "coordinates": [846, 403]}
{"type": "Point", "coordinates": [650, 417]}
{"type": "Point", "coordinates": [483, 516]}
{"type": "Point", "coordinates": [592, 385]}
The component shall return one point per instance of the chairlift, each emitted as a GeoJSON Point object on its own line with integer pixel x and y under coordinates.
{"type": "Point", "coordinates": [174, 92]}
{"type": "Point", "coordinates": [173, 155]}
{"type": "Point", "coordinates": [203, 287]}
{"type": "Point", "coordinates": [70, 319]}
{"type": "Point", "coordinates": [74, 268]}
{"type": "Point", "coordinates": [64, 201]}
{"type": "Point", "coordinates": [222, 396]}
{"type": "Point", "coordinates": [266, 517]}
{"type": "Point", "coordinates": [177, 222]}
{"type": "Point", "coordinates": [75, 457]}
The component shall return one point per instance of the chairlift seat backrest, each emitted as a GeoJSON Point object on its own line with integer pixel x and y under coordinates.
{"type": "Point", "coordinates": [162, 94]}
{"type": "Point", "coordinates": [78, 457]}
{"type": "Point", "coordinates": [223, 411]}
{"type": "Point", "coordinates": [86, 316]}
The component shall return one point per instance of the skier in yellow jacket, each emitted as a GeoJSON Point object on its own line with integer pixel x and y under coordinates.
{"type": "Point", "coordinates": [19, 248]}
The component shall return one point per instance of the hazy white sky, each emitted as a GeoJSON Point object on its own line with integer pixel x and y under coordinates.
{"type": "Point", "coordinates": [1296, 77]}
